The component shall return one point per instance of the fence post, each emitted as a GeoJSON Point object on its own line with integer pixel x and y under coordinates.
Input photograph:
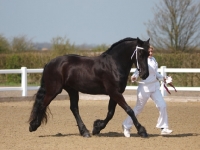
{"type": "Point", "coordinates": [163, 73]}
{"type": "Point", "coordinates": [24, 81]}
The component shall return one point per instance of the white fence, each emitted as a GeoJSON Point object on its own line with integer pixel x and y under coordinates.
{"type": "Point", "coordinates": [24, 71]}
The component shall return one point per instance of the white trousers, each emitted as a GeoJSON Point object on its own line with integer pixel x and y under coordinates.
{"type": "Point", "coordinates": [142, 98]}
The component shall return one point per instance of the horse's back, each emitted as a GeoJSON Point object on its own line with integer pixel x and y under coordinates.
{"type": "Point", "coordinates": [84, 74]}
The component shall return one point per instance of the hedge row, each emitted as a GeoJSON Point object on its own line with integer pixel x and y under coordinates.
{"type": "Point", "coordinates": [37, 59]}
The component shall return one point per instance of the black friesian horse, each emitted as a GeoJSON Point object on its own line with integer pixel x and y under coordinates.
{"type": "Point", "coordinates": [105, 74]}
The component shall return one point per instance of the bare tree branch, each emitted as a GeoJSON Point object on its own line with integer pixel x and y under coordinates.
{"type": "Point", "coordinates": [176, 25]}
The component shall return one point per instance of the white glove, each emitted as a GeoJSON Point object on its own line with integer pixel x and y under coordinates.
{"type": "Point", "coordinates": [168, 79]}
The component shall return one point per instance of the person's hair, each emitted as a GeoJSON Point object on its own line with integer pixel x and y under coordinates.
{"type": "Point", "coordinates": [151, 47]}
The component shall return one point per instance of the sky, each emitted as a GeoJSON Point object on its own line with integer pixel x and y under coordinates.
{"type": "Point", "coordinates": [80, 21]}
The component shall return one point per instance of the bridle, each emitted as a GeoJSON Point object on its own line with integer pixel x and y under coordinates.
{"type": "Point", "coordinates": [135, 52]}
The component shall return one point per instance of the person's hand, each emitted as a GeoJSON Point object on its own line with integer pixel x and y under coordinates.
{"type": "Point", "coordinates": [133, 78]}
{"type": "Point", "coordinates": [164, 79]}
{"type": "Point", "coordinates": [168, 79]}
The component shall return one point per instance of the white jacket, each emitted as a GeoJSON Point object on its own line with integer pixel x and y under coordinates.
{"type": "Point", "coordinates": [151, 83]}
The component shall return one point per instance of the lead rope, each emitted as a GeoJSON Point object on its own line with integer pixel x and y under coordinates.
{"type": "Point", "coordinates": [135, 51]}
{"type": "Point", "coordinates": [168, 81]}
{"type": "Point", "coordinates": [166, 88]}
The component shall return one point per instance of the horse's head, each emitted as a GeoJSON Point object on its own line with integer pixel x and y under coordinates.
{"type": "Point", "coordinates": [141, 55]}
{"type": "Point", "coordinates": [128, 51]}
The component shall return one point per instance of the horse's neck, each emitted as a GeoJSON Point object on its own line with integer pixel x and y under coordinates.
{"type": "Point", "coordinates": [124, 66]}
{"type": "Point", "coordinates": [121, 54]}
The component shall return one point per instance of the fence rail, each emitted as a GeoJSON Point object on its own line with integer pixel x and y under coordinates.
{"type": "Point", "coordinates": [25, 88]}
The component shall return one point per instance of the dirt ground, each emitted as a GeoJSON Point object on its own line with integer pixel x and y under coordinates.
{"type": "Point", "coordinates": [61, 131]}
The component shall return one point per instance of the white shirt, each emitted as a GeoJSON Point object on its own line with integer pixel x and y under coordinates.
{"type": "Point", "coordinates": [151, 83]}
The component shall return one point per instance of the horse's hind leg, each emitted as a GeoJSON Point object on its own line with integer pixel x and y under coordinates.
{"type": "Point", "coordinates": [74, 98]}
{"type": "Point", "coordinates": [101, 124]}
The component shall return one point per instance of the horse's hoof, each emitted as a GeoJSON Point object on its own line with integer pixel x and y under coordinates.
{"type": "Point", "coordinates": [98, 126]}
{"type": "Point", "coordinates": [86, 135]}
{"type": "Point", "coordinates": [95, 131]}
{"type": "Point", "coordinates": [30, 129]}
{"type": "Point", "coordinates": [142, 132]}
{"type": "Point", "coordinates": [144, 135]}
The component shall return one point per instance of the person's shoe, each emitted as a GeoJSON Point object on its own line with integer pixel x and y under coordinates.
{"type": "Point", "coordinates": [166, 131]}
{"type": "Point", "coordinates": [126, 131]}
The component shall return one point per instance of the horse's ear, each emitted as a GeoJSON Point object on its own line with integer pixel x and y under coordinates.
{"type": "Point", "coordinates": [139, 42]}
{"type": "Point", "coordinates": [148, 40]}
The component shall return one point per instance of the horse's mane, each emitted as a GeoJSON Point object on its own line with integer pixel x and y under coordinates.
{"type": "Point", "coordinates": [121, 41]}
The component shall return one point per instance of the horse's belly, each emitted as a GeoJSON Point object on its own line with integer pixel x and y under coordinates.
{"type": "Point", "coordinates": [90, 89]}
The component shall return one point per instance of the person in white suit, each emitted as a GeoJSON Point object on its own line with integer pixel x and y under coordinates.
{"type": "Point", "coordinates": [149, 88]}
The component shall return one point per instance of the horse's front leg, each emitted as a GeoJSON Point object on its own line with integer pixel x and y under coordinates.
{"type": "Point", "coordinates": [74, 98]}
{"type": "Point", "coordinates": [121, 101]}
{"type": "Point", "coordinates": [101, 124]}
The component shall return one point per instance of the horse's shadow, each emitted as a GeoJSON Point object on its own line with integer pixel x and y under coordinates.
{"type": "Point", "coordinates": [59, 135]}
{"type": "Point", "coordinates": [117, 134]}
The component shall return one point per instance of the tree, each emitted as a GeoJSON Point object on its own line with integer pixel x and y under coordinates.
{"type": "Point", "coordinates": [176, 25]}
{"type": "Point", "coordinates": [61, 45]}
{"type": "Point", "coordinates": [4, 44]}
{"type": "Point", "coordinates": [21, 43]}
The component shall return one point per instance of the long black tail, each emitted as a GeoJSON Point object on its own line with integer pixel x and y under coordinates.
{"type": "Point", "coordinates": [38, 110]}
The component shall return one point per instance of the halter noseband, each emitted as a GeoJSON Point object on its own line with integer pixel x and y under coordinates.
{"type": "Point", "coordinates": [135, 52]}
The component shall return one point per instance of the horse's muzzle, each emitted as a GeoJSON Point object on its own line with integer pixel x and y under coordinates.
{"type": "Point", "coordinates": [144, 76]}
